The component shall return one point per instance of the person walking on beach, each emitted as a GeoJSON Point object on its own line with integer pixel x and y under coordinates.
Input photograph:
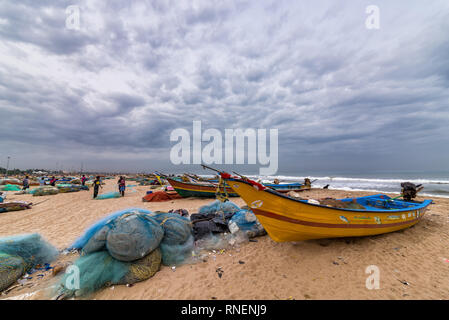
{"type": "Point", "coordinates": [121, 185]}
{"type": "Point", "coordinates": [26, 183]}
{"type": "Point", "coordinates": [83, 180]}
{"type": "Point", "coordinates": [97, 186]}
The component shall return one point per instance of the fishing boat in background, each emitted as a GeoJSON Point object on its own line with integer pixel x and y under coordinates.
{"type": "Point", "coordinates": [287, 187]}
{"type": "Point", "coordinates": [191, 189]}
{"type": "Point", "coordinates": [291, 219]}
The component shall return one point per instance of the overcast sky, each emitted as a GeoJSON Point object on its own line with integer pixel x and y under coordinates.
{"type": "Point", "coordinates": [343, 97]}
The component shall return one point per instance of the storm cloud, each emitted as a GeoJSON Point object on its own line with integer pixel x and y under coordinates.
{"type": "Point", "coordinates": [109, 94]}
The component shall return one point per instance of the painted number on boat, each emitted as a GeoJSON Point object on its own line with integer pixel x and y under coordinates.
{"type": "Point", "coordinates": [256, 204]}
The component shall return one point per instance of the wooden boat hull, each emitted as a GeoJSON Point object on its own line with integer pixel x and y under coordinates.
{"type": "Point", "coordinates": [288, 219]}
{"type": "Point", "coordinates": [287, 187]}
{"type": "Point", "coordinates": [185, 189]}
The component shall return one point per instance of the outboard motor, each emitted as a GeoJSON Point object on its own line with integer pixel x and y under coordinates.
{"type": "Point", "coordinates": [409, 190]}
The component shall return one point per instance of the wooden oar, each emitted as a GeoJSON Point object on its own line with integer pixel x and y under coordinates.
{"type": "Point", "coordinates": [40, 202]}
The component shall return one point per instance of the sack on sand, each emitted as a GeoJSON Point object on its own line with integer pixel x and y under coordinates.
{"type": "Point", "coordinates": [177, 243]}
{"type": "Point", "coordinates": [18, 254]}
{"type": "Point", "coordinates": [99, 269]}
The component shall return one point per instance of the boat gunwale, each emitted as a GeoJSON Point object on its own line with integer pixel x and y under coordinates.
{"type": "Point", "coordinates": [192, 184]}
{"type": "Point", "coordinates": [192, 187]}
{"type": "Point", "coordinates": [422, 205]}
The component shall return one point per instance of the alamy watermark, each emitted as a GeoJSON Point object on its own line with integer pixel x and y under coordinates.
{"type": "Point", "coordinates": [373, 280]}
{"type": "Point", "coordinates": [373, 20]}
{"type": "Point", "coordinates": [72, 281]}
{"type": "Point", "coordinates": [189, 150]}
{"type": "Point", "coordinates": [72, 21]}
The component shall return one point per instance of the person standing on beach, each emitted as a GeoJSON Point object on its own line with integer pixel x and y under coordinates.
{"type": "Point", "coordinates": [53, 181]}
{"type": "Point", "coordinates": [121, 186]}
{"type": "Point", "coordinates": [307, 183]}
{"type": "Point", "coordinates": [97, 186]}
{"type": "Point", "coordinates": [26, 183]}
{"type": "Point", "coordinates": [83, 180]}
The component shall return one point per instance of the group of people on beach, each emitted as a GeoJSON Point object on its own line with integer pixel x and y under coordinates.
{"type": "Point", "coordinates": [121, 185]}
{"type": "Point", "coordinates": [96, 184]}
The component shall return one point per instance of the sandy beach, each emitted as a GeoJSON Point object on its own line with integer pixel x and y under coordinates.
{"type": "Point", "coordinates": [413, 263]}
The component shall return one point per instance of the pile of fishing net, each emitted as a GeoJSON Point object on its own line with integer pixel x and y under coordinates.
{"type": "Point", "coordinates": [102, 223]}
{"type": "Point", "coordinates": [222, 217]}
{"type": "Point", "coordinates": [66, 187]}
{"type": "Point", "coordinates": [14, 205]}
{"type": "Point", "coordinates": [219, 207]}
{"type": "Point", "coordinates": [109, 195]}
{"type": "Point", "coordinates": [44, 191]}
{"type": "Point", "coordinates": [335, 203]}
{"type": "Point", "coordinates": [178, 241]}
{"type": "Point", "coordinates": [213, 218]}
{"type": "Point", "coordinates": [99, 269]}
{"type": "Point", "coordinates": [19, 254]}
{"type": "Point", "coordinates": [10, 187]}
{"type": "Point", "coordinates": [126, 247]}
{"type": "Point", "coordinates": [245, 221]}
{"type": "Point", "coordinates": [160, 196]}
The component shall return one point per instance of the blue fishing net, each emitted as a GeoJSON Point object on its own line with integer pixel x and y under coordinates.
{"type": "Point", "coordinates": [246, 222]}
{"type": "Point", "coordinates": [109, 195]}
{"type": "Point", "coordinates": [177, 229]}
{"type": "Point", "coordinates": [92, 230]}
{"type": "Point", "coordinates": [30, 247]}
{"type": "Point", "coordinates": [133, 236]}
{"type": "Point", "coordinates": [99, 269]}
{"type": "Point", "coordinates": [177, 243]}
{"type": "Point", "coordinates": [64, 187]}
{"type": "Point", "coordinates": [44, 191]}
{"type": "Point", "coordinates": [176, 254]}
{"type": "Point", "coordinates": [11, 269]}
{"type": "Point", "coordinates": [218, 207]}
{"type": "Point", "coordinates": [10, 187]}
{"type": "Point", "coordinates": [18, 254]}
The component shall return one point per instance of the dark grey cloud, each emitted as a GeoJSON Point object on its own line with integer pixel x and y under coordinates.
{"type": "Point", "coordinates": [341, 96]}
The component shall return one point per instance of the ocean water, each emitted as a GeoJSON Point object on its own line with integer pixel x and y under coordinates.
{"type": "Point", "coordinates": [435, 183]}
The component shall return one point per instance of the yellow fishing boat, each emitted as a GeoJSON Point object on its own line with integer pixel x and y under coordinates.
{"type": "Point", "coordinates": [289, 219]}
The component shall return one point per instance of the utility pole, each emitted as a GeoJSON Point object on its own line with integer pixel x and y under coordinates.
{"type": "Point", "coordinates": [7, 166]}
